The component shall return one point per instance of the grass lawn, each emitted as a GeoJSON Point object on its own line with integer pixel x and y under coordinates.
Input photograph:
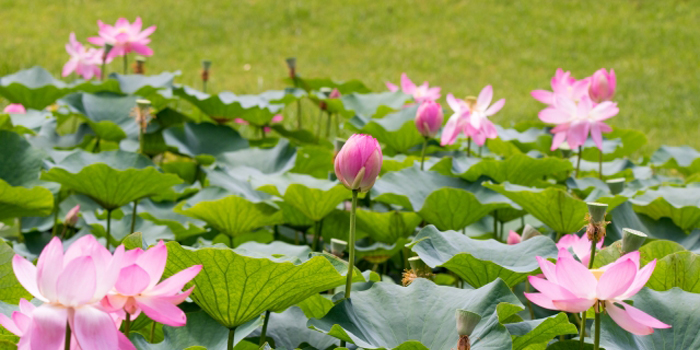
{"type": "Point", "coordinates": [654, 47]}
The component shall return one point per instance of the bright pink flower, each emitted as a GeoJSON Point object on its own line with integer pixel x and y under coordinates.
{"type": "Point", "coordinates": [576, 120]}
{"type": "Point", "coordinates": [138, 289]}
{"type": "Point", "coordinates": [358, 163]}
{"type": "Point", "coordinates": [83, 61]}
{"type": "Point", "coordinates": [429, 118]}
{"type": "Point", "coordinates": [71, 286]}
{"type": "Point", "coordinates": [571, 287]}
{"type": "Point", "coordinates": [602, 85]}
{"type": "Point", "coordinates": [14, 108]}
{"type": "Point", "coordinates": [563, 84]}
{"type": "Point", "coordinates": [420, 93]}
{"type": "Point", "coordinates": [513, 238]}
{"type": "Point", "coordinates": [335, 93]}
{"type": "Point", "coordinates": [72, 216]}
{"type": "Point", "coordinates": [125, 37]}
{"type": "Point", "coordinates": [479, 126]}
{"type": "Point", "coordinates": [457, 122]}
{"type": "Point", "coordinates": [580, 245]}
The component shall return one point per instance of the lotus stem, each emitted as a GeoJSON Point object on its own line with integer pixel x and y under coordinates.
{"type": "Point", "coordinates": [127, 324]}
{"type": "Point", "coordinates": [590, 263]}
{"type": "Point", "coordinates": [68, 336]}
{"type": "Point", "coordinates": [204, 86]}
{"type": "Point", "coordinates": [328, 124]}
{"type": "Point", "coordinates": [126, 64]}
{"type": "Point", "coordinates": [298, 113]}
{"type": "Point", "coordinates": [600, 164]}
{"type": "Point", "coordinates": [351, 243]}
{"type": "Point", "coordinates": [582, 331]}
{"type": "Point", "coordinates": [495, 226]}
{"type": "Point", "coordinates": [422, 153]}
{"type": "Point", "coordinates": [55, 217]}
{"type": "Point", "coordinates": [578, 160]}
{"type": "Point", "coordinates": [109, 226]}
{"type": "Point", "coordinates": [596, 341]}
{"type": "Point", "coordinates": [469, 146]}
{"type": "Point", "coordinates": [264, 328]}
{"type": "Point", "coordinates": [318, 128]}
{"type": "Point", "coordinates": [153, 331]}
{"type": "Point", "coordinates": [317, 235]}
{"type": "Point", "coordinates": [133, 215]}
{"type": "Point", "coordinates": [231, 334]}
{"type": "Point", "coordinates": [529, 304]}
{"type": "Point", "coordinates": [20, 236]}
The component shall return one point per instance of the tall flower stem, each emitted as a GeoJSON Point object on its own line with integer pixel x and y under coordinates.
{"type": "Point", "coordinates": [422, 153]}
{"type": "Point", "coordinates": [109, 226]}
{"type": "Point", "coordinates": [469, 146]}
{"type": "Point", "coordinates": [596, 341]}
{"type": "Point", "coordinates": [495, 226]}
{"type": "Point", "coordinates": [133, 216]}
{"type": "Point", "coordinates": [264, 328]}
{"type": "Point", "coordinates": [582, 331]}
{"type": "Point", "coordinates": [317, 235]}
{"type": "Point", "coordinates": [102, 71]}
{"type": "Point", "coordinates": [590, 263]}
{"type": "Point", "coordinates": [127, 324]}
{"type": "Point", "coordinates": [126, 64]}
{"type": "Point", "coordinates": [600, 164]}
{"type": "Point", "coordinates": [231, 335]}
{"type": "Point", "coordinates": [68, 336]}
{"type": "Point", "coordinates": [153, 331]}
{"type": "Point", "coordinates": [351, 245]}
{"type": "Point", "coordinates": [578, 160]}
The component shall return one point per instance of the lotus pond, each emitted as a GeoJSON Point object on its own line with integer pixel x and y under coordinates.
{"type": "Point", "coordinates": [139, 213]}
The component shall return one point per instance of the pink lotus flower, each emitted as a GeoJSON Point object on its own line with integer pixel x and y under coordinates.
{"type": "Point", "coordinates": [576, 120]}
{"type": "Point", "coordinates": [420, 93]}
{"type": "Point", "coordinates": [580, 245]}
{"type": "Point", "coordinates": [565, 85]}
{"type": "Point", "coordinates": [429, 118]}
{"type": "Point", "coordinates": [513, 238]}
{"type": "Point", "coordinates": [71, 286]}
{"type": "Point", "coordinates": [602, 85]}
{"type": "Point", "coordinates": [358, 163]}
{"type": "Point", "coordinates": [137, 288]}
{"type": "Point", "coordinates": [457, 122]}
{"type": "Point", "coordinates": [83, 61]}
{"type": "Point", "coordinates": [125, 37]}
{"type": "Point", "coordinates": [479, 126]}
{"type": "Point", "coordinates": [72, 216]}
{"type": "Point", "coordinates": [20, 323]}
{"type": "Point", "coordinates": [569, 286]}
{"type": "Point", "coordinates": [335, 93]}
{"type": "Point", "coordinates": [15, 108]}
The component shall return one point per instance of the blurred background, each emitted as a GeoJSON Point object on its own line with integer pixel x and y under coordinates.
{"type": "Point", "coordinates": [654, 47]}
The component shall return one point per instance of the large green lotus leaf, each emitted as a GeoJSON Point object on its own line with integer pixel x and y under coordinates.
{"type": "Point", "coordinates": [553, 206]}
{"type": "Point", "coordinates": [373, 104]}
{"type": "Point", "coordinates": [674, 307]}
{"type": "Point", "coordinates": [275, 250]}
{"type": "Point", "coordinates": [519, 169]}
{"type": "Point", "coordinates": [278, 159]}
{"type": "Point", "coordinates": [345, 87]}
{"type": "Point", "coordinates": [204, 139]}
{"type": "Point", "coordinates": [388, 315]}
{"type": "Point", "coordinates": [314, 197]}
{"type": "Point", "coordinates": [20, 163]}
{"type": "Point", "coordinates": [236, 181]}
{"type": "Point", "coordinates": [316, 161]}
{"type": "Point", "coordinates": [109, 115]}
{"type": "Point", "coordinates": [680, 269]}
{"type": "Point", "coordinates": [17, 201]}
{"type": "Point", "coordinates": [535, 334]}
{"type": "Point", "coordinates": [256, 109]}
{"type": "Point", "coordinates": [162, 213]}
{"type": "Point", "coordinates": [10, 289]}
{"type": "Point", "coordinates": [648, 252]}
{"type": "Point", "coordinates": [624, 216]}
{"type": "Point", "coordinates": [387, 227]}
{"type": "Point", "coordinates": [614, 168]}
{"type": "Point", "coordinates": [230, 214]}
{"type": "Point", "coordinates": [112, 179]}
{"type": "Point", "coordinates": [286, 96]}
{"type": "Point", "coordinates": [34, 88]}
{"type": "Point", "coordinates": [144, 85]}
{"type": "Point", "coordinates": [379, 252]}
{"type": "Point", "coordinates": [200, 332]}
{"type": "Point", "coordinates": [681, 158]}
{"type": "Point", "coordinates": [682, 205]}
{"type": "Point", "coordinates": [288, 331]}
{"type": "Point", "coordinates": [479, 262]}
{"type": "Point", "coordinates": [234, 289]}
{"type": "Point", "coordinates": [513, 141]}
{"type": "Point", "coordinates": [396, 130]}
{"type": "Point", "coordinates": [316, 306]}
{"type": "Point", "coordinates": [455, 209]}
{"type": "Point", "coordinates": [617, 144]}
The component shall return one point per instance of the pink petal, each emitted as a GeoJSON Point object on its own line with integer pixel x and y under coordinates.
{"type": "Point", "coordinates": [22, 321]}
{"type": "Point", "coordinates": [69, 67]}
{"type": "Point", "coordinates": [553, 115]}
{"type": "Point", "coordinates": [616, 280]}
{"type": "Point", "coordinates": [176, 282]}
{"type": "Point", "coordinates": [644, 318]}
{"type": "Point", "coordinates": [407, 85]}
{"type": "Point", "coordinates": [392, 87]}
{"type": "Point", "coordinates": [557, 140]}
{"type": "Point", "coordinates": [26, 275]}
{"type": "Point", "coordinates": [142, 49]}
{"type": "Point", "coordinates": [513, 238]}
{"type": "Point", "coordinates": [48, 327]}
{"type": "Point", "coordinates": [564, 254]}
{"type": "Point", "coordinates": [146, 32]}
{"type": "Point", "coordinates": [578, 133]}
{"type": "Point", "coordinates": [96, 40]}
{"type": "Point", "coordinates": [548, 269]}
{"type": "Point", "coordinates": [541, 300]}
{"type": "Point", "coordinates": [551, 290]}
{"type": "Point", "coordinates": [575, 277]}
{"type": "Point", "coordinates": [574, 305]}
{"type": "Point", "coordinates": [132, 280]}
{"type": "Point", "coordinates": [495, 107]}
{"type": "Point", "coordinates": [484, 99]}
{"type": "Point", "coordinates": [113, 302]}
{"type": "Point", "coordinates": [153, 262]}
{"type": "Point", "coordinates": [162, 311]}
{"type": "Point", "coordinates": [49, 267]}
{"type": "Point", "coordinates": [136, 26]}
{"type": "Point", "coordinates": [450, 131]}
{"type": "Point", "coordinates": [124, 342]}
{"type": "Point", "coordinates": [110, 273]}
{"type": "Point", "coordinates": [26, 307]}
{"type": "Point", "coordinates": [76, 284]}
{"type": "Point", "coordinates": [544, 96]}
{"type": "Point", "coordinates": [597, 136]}
{"type": "Point", "coordinates": [635, 322]}
{"type": "Point", "coordinates": [94, 329]}
{"type": "Point", "coordinates": [640, 280]}
{"type": "Point", "coordinates": [10, 325]}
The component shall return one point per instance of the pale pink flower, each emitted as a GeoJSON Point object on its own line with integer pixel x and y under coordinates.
{"type": "Point", "coordinates": [576, 120]}
{"type": "Point", "coordinates": [125, 37]}
{"type": "Point", "coordinates": [83, 61]}
{"type": "Point", "coordinates": [20, 323]}
{"type": "Point", "coordinates": [15, 108]}
{"type": "Point", "coordinates": [479, 126]}
{"type": "Point", "coordinates": [457, 122]}
{"type": "Point", "coordinates": [513, 238]}
{"type": "Point", "coordinates": [137, 288]}
{"type": "Point", "coordinates": [429, 118]}
{"type": "Point", "coordinates": [602, 85]}
{"type": "Point", "coordinates": [563, 84]}
{"type": "Point", "coordinates": [358, 163]}
{"type": "Point", "coordinates": [420, 93]}
{"type": "Point", "coordinates": [571, 287]}
{"type": "Point", "coordinates": [581, 246]}
{"type": "Point", "coordinates": [71, 285]}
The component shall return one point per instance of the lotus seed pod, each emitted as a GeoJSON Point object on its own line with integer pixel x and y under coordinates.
{"type": "Point", "coordinates": [419, 266]}
{"type": "Point", "coordinates": [338, 247]}
{"type": "Point", "coordinates": [206, 64]}
{"type": "Point", "coordinates": [143, 103]}
{"type": "Point", "coordinates": [529, 232]}
{"type": "Point", "coordinates": [632, 240]}
{"type": "Point", "coordinates": [597, 212]}
{"type": "Point", "coordinates": [616, 185]}
{"type": "Point", "coordinates": [291, 63]}
{"type": "Point", "coordinates": [466, 322]}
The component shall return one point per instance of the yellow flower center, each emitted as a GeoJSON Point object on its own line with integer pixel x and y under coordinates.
{"type": "Point", "coordinates": [597, 273]}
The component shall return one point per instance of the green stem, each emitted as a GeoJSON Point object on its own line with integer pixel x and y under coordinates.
{"type": "Point", "coordinates": [529, 304]}
{"type": "Point", "coordinates": [317, 235]}
{"type": "Point", "coordinates": [590, 262]}
{"type": "Point", "coordinates": [204, 86]}
{"type": "Point", "coordinates": [97, 145]}
{"type": "Point", "coordinates": [351, 245]}
{"type": "Point", "coordinates": [109, 227]}
{"type": "Point", "coordinates": [318, 128]}
{"type": "Point", "coordinates": [495, 226]}
{"type": "Point", "coordinates": [63, 232]}
{"type": "Point", "coordinates": [264, 329]}
{"type": "Point", "coordinates": [133, 215]}
{"type": "Point", "coordinates": [342, 343]}
{"type": "Point", "coordinates": [231, 334]}
{"type": "Point", "coordinates": [102, 72]}
{"type": "Point", "coordinates": [578, 160]}
{"type": "Point", "coordinates": [328, 124]}
{"type": "Point", "coordinates": [582, 331]}
{"type": "Point", "coordinates": [153, 331]}
{"type": "Point", "coordinates": [596, 341]}
{"type": "Point", "coordinates": [126, 64]}
{"type": "Point", "coordinates": [469, 146]}
{"type": "Point", "coordinates": [600, 165]}
{"type": "Point", "coordinates": [299, 114]}
{"type": "Point", "coordinates": [55, 217]}
{"type": "Point", "coordinates": [127, 324]}
{"type": "Point", "coordinates": [68, 336]}
{"type": "Point", "coordinates": [422, 153]}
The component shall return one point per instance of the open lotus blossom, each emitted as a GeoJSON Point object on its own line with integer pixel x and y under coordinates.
{"type": "Point", "coordinates": [358, 163]}
{"type": "Point", "coordinates": [71, 285]}
{"type": "Point", "coordinates": [571, 287]}
{"type": "Point", "coordinates": [565, 85]}
{"type": "Point", "coordinates": [479, 127]}
{"type": "Point", "coordinates": [84, 61]}
{"type": "Point", "coordinates": [15, 108]}
{"type": "Point", "coordinates": [457, 122]}
{"type": "Point", "coordinates": [420, 93]}
{"type": "Point", "coordinates": [602, 85]}
{"type": "Point", "coordinates": [137, 288]}
{"type": "Point", "coordinates": [125, 37]}
{"type": "Point", "coordinates": [576, 120]}
{"type": "Point", "coordinates": [429, 118]}
{"type": "Point", "coordinates": [581, 246]}
{"type": "Point", "coordinates": [513, 238]}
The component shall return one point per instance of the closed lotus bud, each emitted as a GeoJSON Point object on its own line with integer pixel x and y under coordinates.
{"type": "Point", "coordinates": [429, 118]}
{"type": "Point", "coordinates": [15, 108]}
{"type": "Point", "coordinates": [72, 216]}
{"type": "Point", "coordinates": [335, 93]}
{"type": "Point", "coordinates": [632, 240]}
{"type": "Point", "coordinates": [358, 163]}
{"type": "Point", "coordinates": [602, 85]}
{"type": "Point", "coordinates": [513, 238]}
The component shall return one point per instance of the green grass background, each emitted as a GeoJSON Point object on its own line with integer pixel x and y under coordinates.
{"type": "Point", "coordinates": [654, 47]}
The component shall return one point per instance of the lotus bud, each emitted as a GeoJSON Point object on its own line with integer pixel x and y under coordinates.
{"type": "Point", "coordinates": [358, 163]}
{"type": "Point", "coordinates": [632, 240]}
{"type": "Point", "coordinates": [71, 218]}
{"type": "Point", "coordinates": [429, 118]}
{"type": "Point", "coordinates": [513, 238]}
{"type": "Point", "coordinates": [602, 85]}
{"type": "Point", "coordinates": [338, 247]}
{"type": "Point", "coordinates": [529, 232]}
{"type": "Point", "coordinates": [616, 185]}
{"type": "Point", "coordinates": [466, 322]}
{"type": "Point", "coordinates": [15, 108]}
{"type": "Point", "coordinates": [335, 93]}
